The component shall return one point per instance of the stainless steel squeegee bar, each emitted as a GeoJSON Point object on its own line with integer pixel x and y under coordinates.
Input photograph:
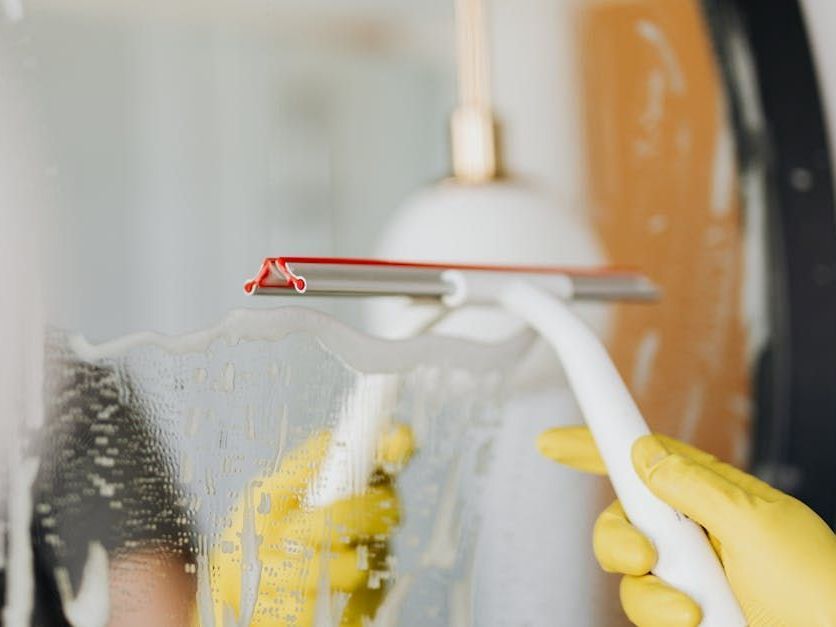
{"type": "Point", "coordinates": [362, 280]}
{"type": "Point", "coordinates": [613, 288]}
{"type": "Point", "coordinates": [323, 279]}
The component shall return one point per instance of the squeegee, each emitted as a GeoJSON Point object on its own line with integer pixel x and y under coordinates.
{"type": "Point", "coordinates": [538, 296]}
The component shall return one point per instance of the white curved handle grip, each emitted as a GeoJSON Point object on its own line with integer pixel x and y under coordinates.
{"type": "Point", "coordinates": [350, 458]}
{"type": "Point", "coordinates": [686, 559]}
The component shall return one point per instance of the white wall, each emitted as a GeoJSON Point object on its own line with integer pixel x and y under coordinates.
{"type": "Point", "coordinates": [184, 150]}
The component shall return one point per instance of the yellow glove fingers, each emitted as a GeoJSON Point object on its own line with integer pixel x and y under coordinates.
{"type": "Point", "coordinates": [281, 597]}
{"type": "Point", "coordinates": [362, 606]}
{"type": "Point", "coordinates": [348, 538]}
{"type": "Point", "coordinates": [735, 475]}
{"type": "Point", "coordinates": [296, 470]}
{"type": "Point", "coordinates": [301, 568]}
{"type": "Point", "coordinates": [573, 447]}
{"type": "Point", "coordinates": [620, 547]}
{"type": "Point", "coordinates": [779, 557]}
{"type": "Point", "coordinates": [697, 491]}
{"type": "Point", "coordinates": [284, 489]}
{"type": "Point", "coordinates": [648, 602]}
{"type": "Point", "coordinates": [296, 608]}
{"type": "Point", "coordinates": [395, 447]}
{"type": "Point", "coordinates": [374, 513]}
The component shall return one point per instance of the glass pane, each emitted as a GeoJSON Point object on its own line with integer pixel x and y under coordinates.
{"type": "Point", "coordinates": [189, 462]}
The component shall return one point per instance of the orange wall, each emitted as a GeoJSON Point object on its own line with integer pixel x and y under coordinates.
{"type": "Point", "coordinates": [663, 191]}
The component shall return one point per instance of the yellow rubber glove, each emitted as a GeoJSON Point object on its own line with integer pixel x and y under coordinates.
{"type": "Point", "coordinates": [779, 556]}
{"type": "Point", "coordinates": [342, 548]}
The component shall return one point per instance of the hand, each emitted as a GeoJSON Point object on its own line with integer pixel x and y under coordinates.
{"type": "Point", "coordinates": [342, 548]}
{"type": "Point", "coordinates": [779, 556]}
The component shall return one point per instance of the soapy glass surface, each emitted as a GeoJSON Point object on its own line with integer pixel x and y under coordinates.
{"type": "Point", "coordinates": [225, 406]}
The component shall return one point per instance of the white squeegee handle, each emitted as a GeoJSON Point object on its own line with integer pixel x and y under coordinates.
{"type": "Point", "coordinates": [351, 455]}
{"type": "Point", "coordinates": [686, 559]}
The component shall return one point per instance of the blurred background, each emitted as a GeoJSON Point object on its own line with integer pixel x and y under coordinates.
{"type": "Point", "coordinates": [187, 140]}
{"type": "Point", "coordinates": [190, 139]}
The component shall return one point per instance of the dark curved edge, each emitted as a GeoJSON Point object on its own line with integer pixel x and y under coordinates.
{"type": "Point", "coordinates": [794, 439]}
